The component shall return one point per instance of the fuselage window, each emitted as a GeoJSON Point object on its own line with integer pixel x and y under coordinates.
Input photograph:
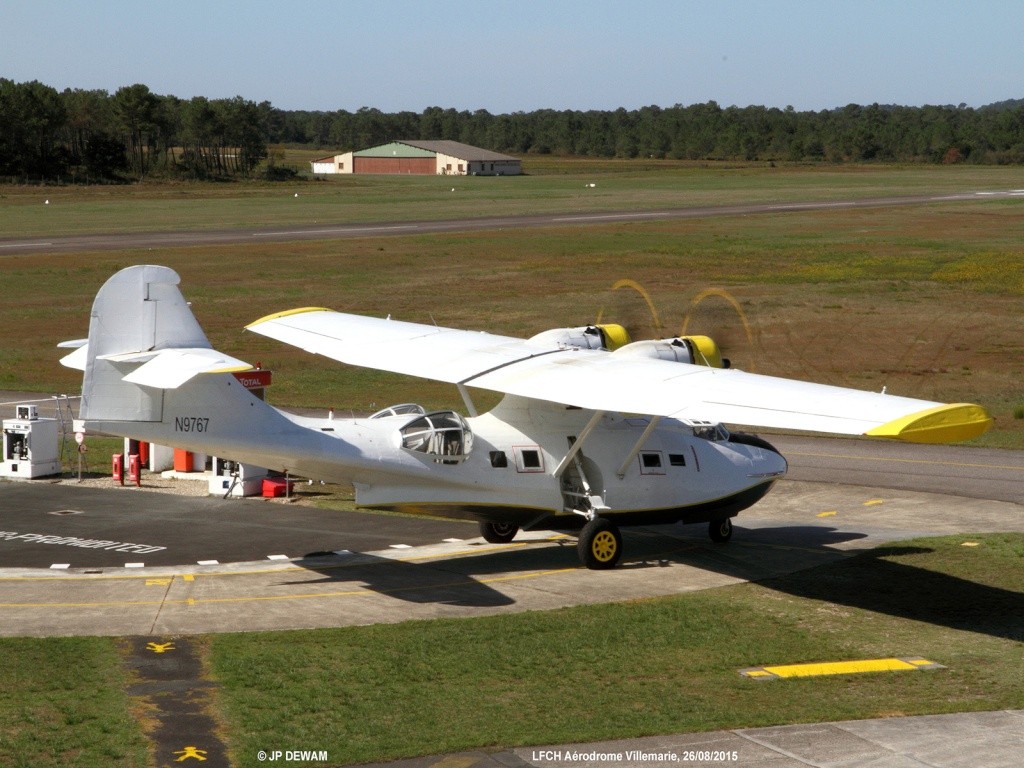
{"type": "Point", "coordinates": [498, 459]}
{"type": "Point", "coordinates": [650, 463]}
{"type": "Point", "coordinates": [529, 460]}
{"type": "Point", "coordinates": [677, 459]}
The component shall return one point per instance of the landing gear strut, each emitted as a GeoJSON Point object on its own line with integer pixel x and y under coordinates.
{"type": "Point", "coordinates": [600, 544]}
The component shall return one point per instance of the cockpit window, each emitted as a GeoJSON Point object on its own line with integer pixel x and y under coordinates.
{"type": "Point", "coordinates": [403, 409]}
{"type": "Point", "coordinates": [708, 431]}
{"type": "Point", "coordinates": [444, 434]}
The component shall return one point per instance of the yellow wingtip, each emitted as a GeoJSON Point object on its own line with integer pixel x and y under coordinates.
{"type": "Point", "coordinates": [286, 313]}
{"type": "Point", "coordinates": [942, 424]}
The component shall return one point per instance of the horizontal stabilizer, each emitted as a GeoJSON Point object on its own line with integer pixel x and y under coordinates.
{"type": "Point", "coordinates": [170, 368]}
{"type": "Point", "coordinates": [79, 357]}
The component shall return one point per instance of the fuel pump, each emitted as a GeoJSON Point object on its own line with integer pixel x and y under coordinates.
{"type": "Point", "coordinates": [31, 445]}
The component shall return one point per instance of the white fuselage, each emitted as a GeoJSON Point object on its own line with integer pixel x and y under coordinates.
{"type": "Point", "coordinates": [508, 465]}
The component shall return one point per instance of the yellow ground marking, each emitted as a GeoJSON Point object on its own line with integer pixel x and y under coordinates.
{"type": "Point", "coordinates": [160, 647]}
{"type": "Point", "coordinates": [874, 502]}
{"type": "Point", "coordinates": [190, 753]}
{"type": "Point", "coordinates": [158, 582]}
{"type": "Point", "coordinates": [456, 761]}
{"type": "Point", "coordinates": [969, 544]}
{"type": "Point", "coordinates": [827, 514]}
{"type": "Point", "coordinates": [839, 668]}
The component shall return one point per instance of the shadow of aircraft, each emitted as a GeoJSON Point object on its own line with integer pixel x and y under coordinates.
{"type": "Point", "coordinates": [869, 579]}
{"type": "Point", "coordinates": [411, 582]}
{"type": "Point", "coordinates": [872, 581]}
{"type": "Point", "coordinates": [798, 560]}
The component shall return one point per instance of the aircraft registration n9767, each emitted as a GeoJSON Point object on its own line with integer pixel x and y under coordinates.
{"type": "Point", "coordinates": [594, 431]}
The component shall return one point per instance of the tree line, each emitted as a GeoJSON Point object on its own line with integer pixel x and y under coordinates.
{"type": "Point", "coordinates": [81, 135]}
{"type": "Point", "coordinates": [134, 133]}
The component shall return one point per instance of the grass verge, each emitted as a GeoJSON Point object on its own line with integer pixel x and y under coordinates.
{"type": "Point", "coordinates": [63, 703]}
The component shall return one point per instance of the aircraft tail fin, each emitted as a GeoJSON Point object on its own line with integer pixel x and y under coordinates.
{"type": "Point", "coordinates": [143, 339]}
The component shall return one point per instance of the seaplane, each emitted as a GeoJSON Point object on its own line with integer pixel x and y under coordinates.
{"type": "Point", "coordinates": [593, 432]}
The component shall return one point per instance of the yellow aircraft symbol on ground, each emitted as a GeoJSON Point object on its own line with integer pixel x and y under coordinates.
{"type": "Point", "coordinates": [190, 752]}
{"type": "Point", "coordinates": [160, 647]}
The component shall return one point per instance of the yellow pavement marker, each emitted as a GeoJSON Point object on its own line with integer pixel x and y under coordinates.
{"type": "Point", "coordinates": [839, 668]}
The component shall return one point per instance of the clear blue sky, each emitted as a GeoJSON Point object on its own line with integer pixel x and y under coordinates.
{"type": "Point", "coordinates": [522, 55]}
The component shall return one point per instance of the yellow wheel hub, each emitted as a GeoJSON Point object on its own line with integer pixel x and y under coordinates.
{"type": "Point", "coordinates": [604, 546]}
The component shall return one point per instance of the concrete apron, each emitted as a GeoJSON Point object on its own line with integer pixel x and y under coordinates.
{"type": "Point", "coordinates": [799, 525]}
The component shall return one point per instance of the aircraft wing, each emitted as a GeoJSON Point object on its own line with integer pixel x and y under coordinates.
{"type": "Point", "coordinates": [604, 381]}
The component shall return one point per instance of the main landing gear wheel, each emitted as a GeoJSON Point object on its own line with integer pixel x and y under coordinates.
{"type": "Point", "coordinates": [600, 544]}
{"type": "Point", "coordinates": [498, 533]}
{"type": "Point", "coordinates": [720, 531]}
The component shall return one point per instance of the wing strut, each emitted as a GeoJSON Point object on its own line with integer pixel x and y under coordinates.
{"type": "Point", "coordinates": [576, 446]}
{"type": "Point", "coordinates": [470, 406]}
{"type": "Point", "coordinates": [639, 444]}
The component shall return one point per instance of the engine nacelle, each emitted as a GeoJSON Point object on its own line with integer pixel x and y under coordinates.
{"type": "Point", "coordinates": [608, 336]}
{"type": "Point", "coordinates": [697, 350]}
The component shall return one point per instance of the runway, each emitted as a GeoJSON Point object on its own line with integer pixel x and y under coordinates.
{"type": "Point", "coordinates": [191, 238]}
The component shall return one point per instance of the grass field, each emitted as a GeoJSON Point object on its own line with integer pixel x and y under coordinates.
{"type": "Point", "coordinates": [591, 673]}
